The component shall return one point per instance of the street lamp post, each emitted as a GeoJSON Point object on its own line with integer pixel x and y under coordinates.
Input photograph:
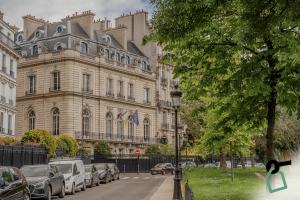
{"type": "Point", "coordinates": [176, 96]}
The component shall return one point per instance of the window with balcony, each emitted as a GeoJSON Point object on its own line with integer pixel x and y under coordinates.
{"type": "Point", "coordinates": [4, 63]}
{"type": "Point", "coordinates": [31, 120]}
{"type": "Point", "coordinates": [35, 50]}
{"type": "Point", "coordinates": [130, 91]}
{"type": "Point", "coordinates": [9, 124]}
{"type": "Point", "coordinates": [146, 129]}
{"type": "Point", "coordinates": [84, 47]}
{"type": "Point", "coordinates": [86, 122]}
{"type": "Point", "coordinates": [130, 127]}
{"type": "Point", "coordinates": [11, 68]}
{"type": "Point", "coordinates": [146, 95]}
{"type": "Point", "coordinates": [109, 87]}
{"type": "Point", "coordinates": [120, 127]}
{"type": "Point", "coordinates": [1, 122]}
{"type": "Point", "coordinates": [55, 121]}
{"type": "Point", "coordinates": [55, 80]}
{"type": "Point", "coordinates": [120, 89]}
{"type": "Point", "coordinates": [31, 84]}
{"type": "Point", "coordinates": [109, 124]}
{"type": "Point", "coordinates": [86, 83]}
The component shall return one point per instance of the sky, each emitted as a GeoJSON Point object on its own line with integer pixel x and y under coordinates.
{"type": "Point", "coordinates": [55, 10]}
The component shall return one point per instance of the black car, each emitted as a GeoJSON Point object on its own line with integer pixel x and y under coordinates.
{"type": "Point", "coordinates": [91, 175]}
{"type": "Point", "coordinates": [44, 181]}
{"type": "Point", "coordinates": [162, 168]}
{"type": "Point", "coordinates": [105, 175]}
{"type": "Point", "coordinates": [115, 172]}
{"type": "Point", "coordinates": [13, 185]}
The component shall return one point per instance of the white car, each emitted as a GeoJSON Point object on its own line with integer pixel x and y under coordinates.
{"type": "Point", "coordinates": [74, 174]}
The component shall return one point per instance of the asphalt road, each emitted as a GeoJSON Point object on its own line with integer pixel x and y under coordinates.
{"type": "Point", "coordinates": [129, 187]}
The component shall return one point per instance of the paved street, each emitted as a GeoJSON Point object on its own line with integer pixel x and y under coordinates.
{"type": "Point", "coordinates": [129, 187]}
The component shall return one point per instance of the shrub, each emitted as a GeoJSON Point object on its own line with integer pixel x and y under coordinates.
{"type": "Point", "coordinates": [153, 150]}
{"type": "Point", "coordinates": [102, 148]}
{"type": "Point", "coordinates": [68, 143]}
{"type": "Point", "coordinates": [41, 137]}
{"type": "Point", "coordinates": [8, 141]}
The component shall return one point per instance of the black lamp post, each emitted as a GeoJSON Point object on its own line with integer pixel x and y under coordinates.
{"type": "Point", "coordinates": [176, 97]}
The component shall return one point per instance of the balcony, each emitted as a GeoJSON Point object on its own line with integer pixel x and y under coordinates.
{"type": "Point", "coordinates": [2, 130]}
{"type": "Point", "coordinates": [164, 81]}
{"type": "Point", "coordinates": [165, 126]}
{"type": "Point", "coordinates": [32, 92]}
{"type": "Point", "coordinates": [4, 39]}
{"type": "Point", "coordinates": [3, 100]}
{"type": "Point", "coordinates": [110, 94]}
{"type": "Point", "coordinates": [130, 98]}
{"type": "Point", "coordinates": [9, 132]}
{"type": "Point", "coordinates": [120, 96]}
{"type": "Point", "coordinates": [164, 104]}
{"type": "Point", "coordinates": [86, 91]}
{"type": "Point", "coordinates": [12, 74]}
{"type": "Point", "coordinates": [11, 102]}
{"type": "Point", "coordinates": [92, 136]}
{"type": "Point", "coordinates": [110, 61]}
{"type": "Point", "coordinates": [147, 102]}
{"type": "Point", "coordinates": [54, 89]}
{"type": "Point", "coordinates": [4, 70]}
{"type": "Point", "coordinates": [179, 125]}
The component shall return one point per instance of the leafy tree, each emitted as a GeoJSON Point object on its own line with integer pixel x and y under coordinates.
{"type": "Point", "coordinates": [166, 149]}
{"type": "Point", "coordinates": [243, 54]}
{"type": "Point", "coordinates": [68, 143]}
{"type": "Point", "coordinates": [8, 141]}
{"type": "Point", "coordinates": [41, 137]}
{"type": "Point", "coordinates": [102, 148]}
{"type": "Point", "coordinates": [153, 150]}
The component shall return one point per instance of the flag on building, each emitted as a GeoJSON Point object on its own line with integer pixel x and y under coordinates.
{"type": "Point", "coordinates": [135, 117]}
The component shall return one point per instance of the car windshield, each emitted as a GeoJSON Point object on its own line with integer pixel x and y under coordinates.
{"type": "Point", "coordinates": [88, 168]}
{"type": "Point", "coordinates": [159, 165]}
{"type": "Point", "coordinates": [34, 171]}
{"type": "Point", "coordinates": [100, 166]}
{"type": "Point", "coordinates": [64, 168]}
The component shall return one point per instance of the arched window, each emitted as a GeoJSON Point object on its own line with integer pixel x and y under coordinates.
{"type": "Point", "coordinates": [108, 40]}
{"type": "Point", "coordinates": [123, 59]}
{"type": "Point", "coordinates": [31, 120]}
{"type": "Point", "coordinates": [127, 60]}
{"type": "Point", "coordinates": [20, 38]}
{"type": "Point", "coordinates": [120, 127]}
{"type": "Point", "coordinates": [86, 122]}
{"type": "Point", "coordinates": [107, 53]}
{"type": "Point", "coordinates": [55, 121]}
{"type": "Point", "coordinates": [35, 50]}
{"type": "Point", "coordinates": [59, 29]}
{"type": "Point", "coordinates": [83, 47]}
{"type": "Point", "coordinates": [144, 65]}
{"type": "Point", "coordinates": [59, 48]}
{"type": "Point", "coordinates": [146, 129]}
{"type": "Point", "coordinates": [130, 127]}
{"type": "Point", "coordinates": [109, 124]}
{"type": "Point", "coordinates": [37, 34]}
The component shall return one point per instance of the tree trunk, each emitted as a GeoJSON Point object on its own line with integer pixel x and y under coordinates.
{"type": "Point", "coordinates": [222, 160]}
{"type": "Point", "coordinates": [242, 161]}
{"type": "Point", "coordinates": [273, 79]}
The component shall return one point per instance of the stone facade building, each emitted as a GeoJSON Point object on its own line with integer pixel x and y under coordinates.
{"type": "Point", "coordinates": [8, 69]}
{"type": "Point", "coordinates": [91, 80]}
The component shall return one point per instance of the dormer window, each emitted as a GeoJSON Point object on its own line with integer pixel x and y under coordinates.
{"type": "Point", "coordinates": [37, 34]}
{"type": "Point", "coordinates": [108, 40]}
{"type": "Point", "coordinates": [118, 58]}
{"type": "Point", "coordinates": [107, 53]}
{"type": "Point", "coordinates": [35, 50]}
{"type": "Point", "coordinates": [128, 60]}
{"type": "Point", "coordinates": [20, 38]}
{"type": "Point", "coordinates": [144, 65]}
{"type": "Point", "coordinates": [59, 48]}
{"type": "Point", "coordinates": [59, 29]}
{"type": "Point", "coordinates": [84, 47]}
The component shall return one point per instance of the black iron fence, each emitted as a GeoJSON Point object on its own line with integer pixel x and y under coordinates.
{"type": "Point", "coordinates": [20, 155]}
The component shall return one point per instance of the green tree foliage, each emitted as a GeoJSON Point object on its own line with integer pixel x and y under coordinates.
{"type": "Point", "coordinates": [244, 55]}
{"type": "Point", "coordinates": [8, 141]}
{"type": "Point", "coordinates": [68, 143]}
{"type": "Point", "coordinates": [159, 149]}
{"type": "Point", "coordinates": [102, 148]}
{"type": "Point", "coordinates": [41, 137]}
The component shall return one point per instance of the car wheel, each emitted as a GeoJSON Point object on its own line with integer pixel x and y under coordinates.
{"type": "Point", "coordinates": [98, 182]}
{"type": "Point", "coordinates": [92, 183]}
{"type": "Point", "coordinates": [172, 172]}
{"type": "Point", "coordinates": [111, 178]}
{"type": "Point", "coordinates": [83, 187]}
{"type": "Point", "coordinates": [118, 177]}
{"type": "Point", "coordinates": [73, 189]}
{"type": "Point", "coordinates": [106, 180]}
{"type": "Point", "coordinates": [49, 195]}
{"type": "Point", "coordinates": [62, 192]}
{"type": "Point", "coordinates": [163, 172]}
{"type": "Point", "coordinates": [26, 196]}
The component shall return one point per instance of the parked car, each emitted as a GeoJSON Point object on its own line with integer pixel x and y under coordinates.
{"type": "Point", "coordinates": [91, 175]}
{"type": "Point", "coordinates": [44, 181]}
{"type": "Point", "coordinates": [74, 174]}
{"type": "Point", "coordinates": [115, 172]}
{"type": "Point", "coordinates": [188, 164]}
{"type": "Point", "coordinates": [162, 168]}
{"type": "Point", "coordinates": [13, 184]}
{"type": "Point", "coordinates": [104, 172]}
{"type": "Point", "coordinates": [260, 165]}
{"type": "Point", "coordinates": [212, 165]}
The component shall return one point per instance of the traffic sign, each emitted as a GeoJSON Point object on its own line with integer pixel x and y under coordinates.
{"type": "Point", "coordinates": [137, 152]}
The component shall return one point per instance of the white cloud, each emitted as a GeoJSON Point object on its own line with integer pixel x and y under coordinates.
{"type": "Point", "coordinates": [54, 10]}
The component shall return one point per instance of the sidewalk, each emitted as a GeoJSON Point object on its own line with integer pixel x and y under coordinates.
{"type": "Point", "coordinates": [165, 190]}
